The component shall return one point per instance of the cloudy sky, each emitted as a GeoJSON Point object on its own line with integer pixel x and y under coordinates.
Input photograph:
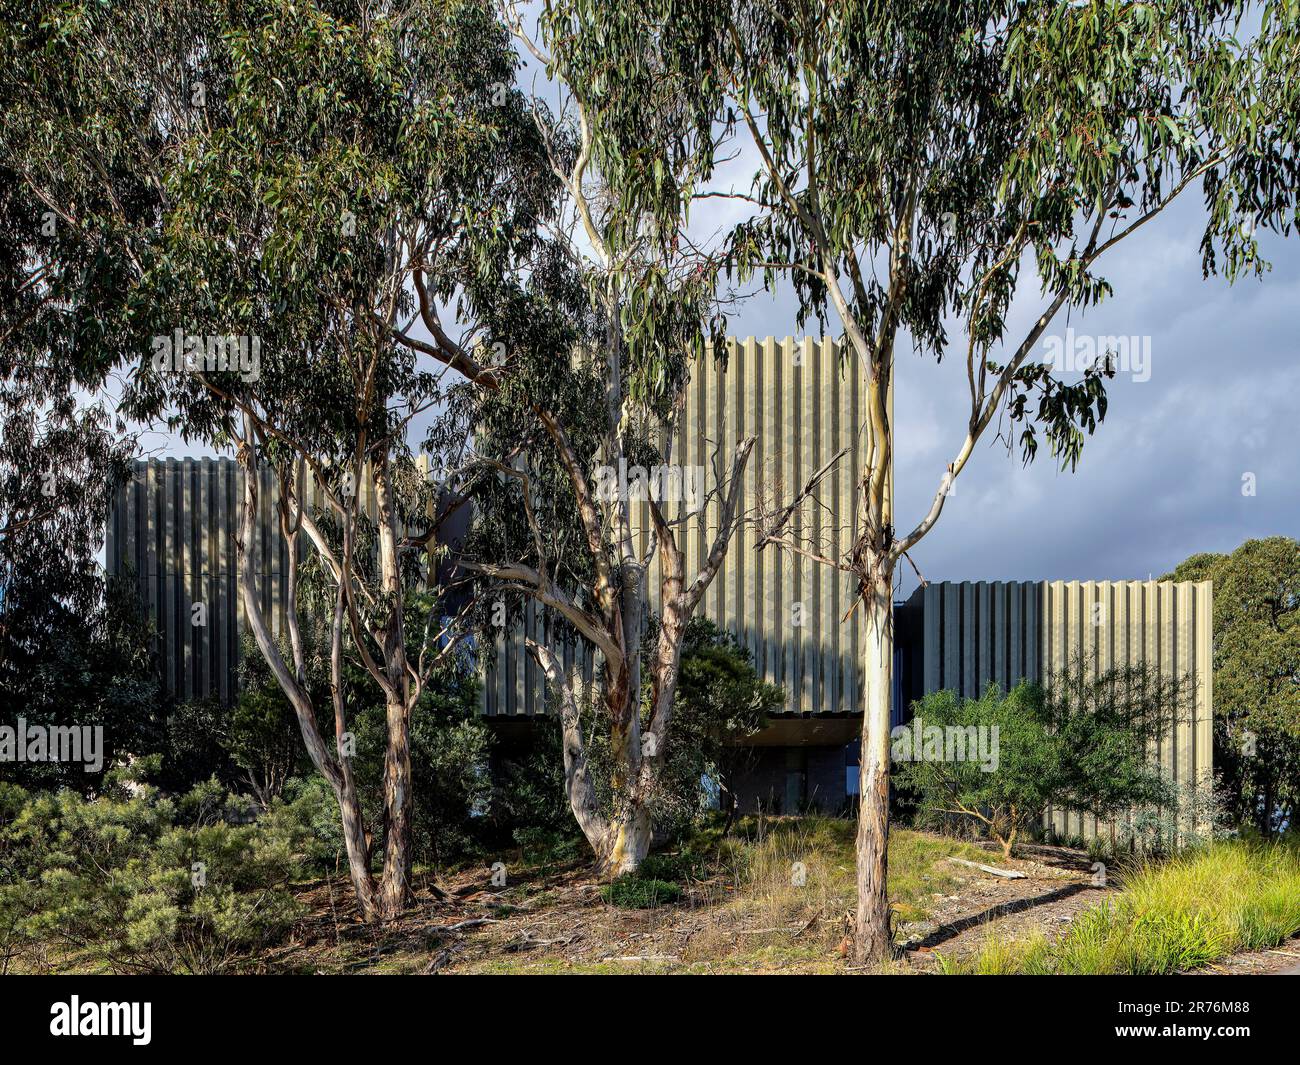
{"type": "Point", "coordinates": [1163, 476]}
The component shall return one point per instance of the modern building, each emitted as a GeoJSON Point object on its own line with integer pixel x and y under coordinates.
{"type": "Point", "coordinates": [173, 527]}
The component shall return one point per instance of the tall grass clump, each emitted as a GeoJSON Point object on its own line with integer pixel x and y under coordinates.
{"type": "Point", "coordinates": [1173, 916]}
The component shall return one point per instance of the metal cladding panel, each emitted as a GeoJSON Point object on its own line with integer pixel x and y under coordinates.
{"type": "Point", "coordinates": [976, 634]}
{"type": "Point", "coordinates": [801, 405]}
{"type": "Point", "coordinates": [175, 526]}
{"type": "Point", "coordinates": [172, 530]}
{"type": "Point", "coordinates": [172, 536]}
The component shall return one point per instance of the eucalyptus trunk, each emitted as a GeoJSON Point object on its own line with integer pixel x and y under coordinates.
{"type": "Point", "coordinates": [395, 884]}
{"type": "Point", "coordinates": [336, 770]}
{"type": "Point", "coordinates": [874, 939]}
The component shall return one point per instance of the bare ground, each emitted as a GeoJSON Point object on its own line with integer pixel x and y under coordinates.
{"type": "Point", "coordinates": [554, 920]}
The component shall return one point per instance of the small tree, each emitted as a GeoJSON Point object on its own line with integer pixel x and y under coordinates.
{"type": "Point", "coordinates": [1080, 743]}
{"type": "Point", "coordinates": [1256, 676]}
{"type": "Point", "coordinates": [721, 701]}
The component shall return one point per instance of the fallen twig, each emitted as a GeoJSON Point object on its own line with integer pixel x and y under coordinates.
{"type": "Point", "coordinates": [471, 923]}
{"type": "Point", "coordinates": [1006, 874]}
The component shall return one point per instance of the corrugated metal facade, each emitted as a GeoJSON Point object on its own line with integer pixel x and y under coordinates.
{"type": "Point", "coordinates": [802, 407]}
{"type": "Point", "coordinates": [173, 527]}
{"type": "Point", "coordinates": [976, 633]}
{"type": "Point", "coordinates": [174, 524]}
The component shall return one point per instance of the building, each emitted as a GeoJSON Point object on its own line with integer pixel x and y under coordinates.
{"type": "Point", "coordinates": [173, 527]}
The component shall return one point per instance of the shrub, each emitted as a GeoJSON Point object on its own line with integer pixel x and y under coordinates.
{"type": "Point", "coordinates": [1079, 743]}
{"type": "Point", "coordinates": [721, 699]}
{"type": "Point", "coordinates": [528, 805]}
{"type": "Point", "coordinates": [310, 805]}
{"type": "Point", "coordinates": [262, 734]}
{"type": "Point", "coordinates": [672, 867]}
{"type": "Point", "coordinates": [547, 846]}
{"type": "Point", "coordinates": [449, 766]}
{"type": "Point", "coordinates": [132, 885]}
{"type": "Point", "coordinates": [634, 892]}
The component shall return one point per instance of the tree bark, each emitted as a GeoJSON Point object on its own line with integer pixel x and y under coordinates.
{"type": "Point", "coordinates": [395, 883]}
{"type": "Point", "coordinates": [578, 785]}
{"type": "Point", "coordinates": [873, 940]}
{"type": "Point", "coordinates": [629, 842]}
{"type": "Point", "coordinates": [357, 845]}
{"type": "Point", "coordinates": [336, 774]}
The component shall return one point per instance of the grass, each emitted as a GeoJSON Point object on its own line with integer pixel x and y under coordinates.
{"type": "Point", "coordinates": [771, 896]}
{"type": "Point", "coordinates": [640, 893]}
{"type": "Point", "coordinates": [790, 882]}
{"type": "Point", "coordinates": [1173, 916]}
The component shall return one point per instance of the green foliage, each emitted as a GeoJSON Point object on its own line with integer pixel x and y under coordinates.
{"type": "Point", "coordinates": [311, 803]}
{"type": "Point", "coordinates": [262, 737]}
{"type": "Point", "coordinates": [528, 804]}
{"type": "Point", "coordinates": [1079, 743]}
{"type": "Point", "coordinates": [85, 665]}
{"type": "Point", "coordinates": [917, 156]}
{"type": "Point", "coordinates": [256, 745]}
{"type": "Point", "coordinates": [196, 745]}
{"type": "Point", "coordinates": [676, 868]}
{"type": "Point", "coordinates": [720, 701]}
{"type": "Point", "coordinates": [634, 892]}
{"type": "Point", "coordinates": [449, 766]}
{"type": "Point", "coordinates": [551, 846]}
{"type": "Point", "coordinates": [1256, 671]}
{"type": "Point", "coordinates": [143, 883]}
{"type": "Point", "coordinates": [312, 177]}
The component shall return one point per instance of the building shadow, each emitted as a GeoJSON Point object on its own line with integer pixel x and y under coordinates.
{"type": "Point", "coordinates": [953, 929]}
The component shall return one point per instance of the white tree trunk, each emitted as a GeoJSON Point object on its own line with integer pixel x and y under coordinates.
{"type": "Point", "coordinates": [874, 939]}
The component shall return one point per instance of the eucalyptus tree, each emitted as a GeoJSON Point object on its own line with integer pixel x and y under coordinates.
{"type": "Point", "coordinates": [920, 164]}
{"type": "Point", "coordinates": [590, 365]}
{"type": "Point", "coordinates": [320, 172]}
{"type": "Point", "coordinates": [66, 263]}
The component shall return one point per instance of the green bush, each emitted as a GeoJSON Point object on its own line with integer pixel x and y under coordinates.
{"type": "Point", "coordinates": [143, 883]}
{"type": "Point", "coordinates": [634, 892]}
{"type": "Point", "coordinates": [310, 804]}
{"type": "Point", "coordinates": [548, 846]}
{"type": "Point", "coordinates": [528, 806]}
{"type": "Point", "coordinates": [671, 867]}
{"type": "Point", "coordinates": [721, 699]}
{"type": "Point", "coordinates": [1079, 743]}
{"type": "Point", "coordinates": [449, 766]}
